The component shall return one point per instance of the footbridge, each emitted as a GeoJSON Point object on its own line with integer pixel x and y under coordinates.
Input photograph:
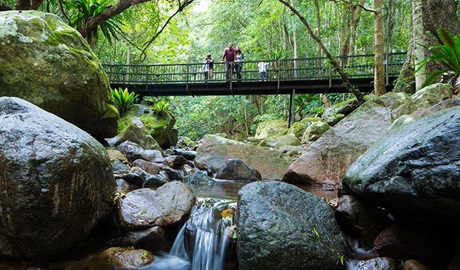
{"type": "Point", "coordinates": [283, 76]}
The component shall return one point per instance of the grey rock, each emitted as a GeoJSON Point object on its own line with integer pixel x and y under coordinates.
{"type": "Point", "coordinates": [52, 174]}
{"type": "Point", "coordinates": [281, 226]}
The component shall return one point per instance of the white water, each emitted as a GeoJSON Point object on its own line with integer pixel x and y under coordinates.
{"type": "Point", "coordinates": [211, 243]}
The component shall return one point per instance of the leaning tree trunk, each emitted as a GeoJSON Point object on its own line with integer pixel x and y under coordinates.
{"type": "Point", "coordinates": [427, 17]}
{"type": "Point", "coordinates": [334, 63]}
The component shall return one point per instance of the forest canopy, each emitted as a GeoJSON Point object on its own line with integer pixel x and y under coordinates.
{"type": "Point", "coordinates": [180, 31]}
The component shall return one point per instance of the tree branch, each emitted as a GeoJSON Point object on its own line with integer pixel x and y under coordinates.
{"type": "Point", "coordinates": [349, 3]}
{"type": "Point", "coordinates": [180, 8]}
{"type": "Point", "coordinates": [346, 81]}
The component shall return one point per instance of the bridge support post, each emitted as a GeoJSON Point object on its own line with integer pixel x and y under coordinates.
{"type": "Point", "coordinates": [291, 108]}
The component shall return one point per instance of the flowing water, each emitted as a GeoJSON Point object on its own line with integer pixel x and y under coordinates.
{"type": "Point", "coordinates": [204, 241]}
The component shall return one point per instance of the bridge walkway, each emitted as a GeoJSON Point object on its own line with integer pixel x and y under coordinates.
{"type": "Point", "coordinates": [284, 76]}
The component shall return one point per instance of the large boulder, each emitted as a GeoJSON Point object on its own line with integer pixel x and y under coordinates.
{"type": "Point", "coordinates": [144, 207]}
{"type": "Point", "coordinates": [47, 62]}
{"type": "Point", "coordinates": [414, 169]}
{"type": "Point", "coordinates": [327, 159]}
{"type": "Point", "coordinates": [157, 125]}
{"type": "Point", "coordinates": [137, 132]}
{"type": "Point", "coordinates": [215, 151]}
{"type": "Point", "coordinates": [235, 169]}
{"type": "Point", "coordinates": [270, 129]}
{"type": "Point", "coordinates": [56, 182]}
{"type": "Point", "coordinates": [281, 226]}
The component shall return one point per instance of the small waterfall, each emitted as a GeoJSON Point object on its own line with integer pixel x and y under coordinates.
{"type": "Point", "coordinates": [205, 238]}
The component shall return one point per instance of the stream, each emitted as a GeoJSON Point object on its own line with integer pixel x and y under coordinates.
{"type": "Point", "coordinates": [210, 248]}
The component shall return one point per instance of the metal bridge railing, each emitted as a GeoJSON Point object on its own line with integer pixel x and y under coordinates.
{"type": "Point", "coordinates": [356, 66]}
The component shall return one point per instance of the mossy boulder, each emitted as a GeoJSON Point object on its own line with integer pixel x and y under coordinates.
{"type": "Point", "coordinates": [298, 128]}
{"type": "Point", "coordinates": [332, 115]}
{"type": "Point", "coordinates": [214, 151]}
{"type": "Point", "coordinates": [314, 131]}
{"type": "Point", "coordinates": [138, 133]}
{"type": "Point", "coordinates": [160, 126]}
{"type": "Point", "coordinates": [271, 128]}
{"type": "Point", "coordinates": [48, 63]}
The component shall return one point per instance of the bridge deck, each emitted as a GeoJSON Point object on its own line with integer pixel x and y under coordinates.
{"type": "Point", "coordinates": [311, 75]}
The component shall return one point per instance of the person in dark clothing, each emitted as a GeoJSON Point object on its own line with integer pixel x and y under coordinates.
{"type": "Point", "coordinates": [229, 55]}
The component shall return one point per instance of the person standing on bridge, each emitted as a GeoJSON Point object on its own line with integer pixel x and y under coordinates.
{"type": "Point", "coordinates": [229, 56]}
{"type": "Point", "coordinates": [239, 57]}
{"type": "Point", "coordinates": [208, 67]}
{"type": "Point", "coordinates": [262, 71]}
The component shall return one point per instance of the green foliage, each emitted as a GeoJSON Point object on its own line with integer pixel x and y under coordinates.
{"type": "Point", "coordinates": [161, 107]}
{"type": "Point", "coordinates": [144, 255]}
{"type": "Point", "coordinates": [316, 232]}
{"type": "Point", "coordinates": [446, 52]}
{"type": "Point", "coordinates": [83, 10]}
{"type": "Point", "coordinates": [123, 99]}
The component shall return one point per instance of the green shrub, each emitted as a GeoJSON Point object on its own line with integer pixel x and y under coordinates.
{"type": "Point", "coordinates": [123, 99]}
{"type": "Point", "coordinates": [161, 107]}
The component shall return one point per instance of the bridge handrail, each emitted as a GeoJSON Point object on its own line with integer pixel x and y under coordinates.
{"type": "Point", "coordinates": [316, 68]}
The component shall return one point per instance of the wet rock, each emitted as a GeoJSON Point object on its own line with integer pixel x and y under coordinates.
{"type": "Point", "coordinates": [52, 174]}
{"type": "Point", "coordinates": [154, 181]}
{"type": "Point", "coordinates": [199, 177]}
{"type": "Point", "coordinates": [414, 169]}
{"type": "Point", "coordinates": [177, 161]}
{"type": "Point", "coordinates": [126, 258]}
{"type": "Point", "coordinates": [215, 151]}
{"type": "Point", "coordinates": [426, 244]}
{"type": "Point", "coordinates": [153, 239]}
{"type": "Point", "coordinates": [281, 226]}
{"type": "Point", "coordinates": [133, 151]}
{"type": "Point", "coordinates": [133, 178]}
{"type": "Point", "coordinates": [236, 169]}
{"type": "Point", "coordinates": [189, 155]}
{"type": "Point", "coordinates": [360, 219]}
{"type": "Point", "coordinates": [414, 265]}
{"type": "Point", "coordinates": [124, 186]}
{"type": "Point", "coordinates": [381, 263]}
{"type": "Point", "coordinates": [145, 207]}
{"type": "Point", "coordinates": [173, 175]}
{"type": "Point", "coordinates": [150, 167]}
{"type": "Point", "coordinates": [119, 167]}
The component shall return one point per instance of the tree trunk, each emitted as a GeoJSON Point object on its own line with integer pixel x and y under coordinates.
{"type": "Point", "coordinates": [427, 16]}
{"type": "Point", "coordinates": [350, 26]}
{"type": "Point", "coordinates": [344, 32]}
{"type": "Point", "coordinates": [379, 76]}
{"type": "Point", "coordinates": [354, 25]}
{"type": "Point", "coordinates": [389, 10]}
{"type": "Point", "coordinates": [28, 4]}
{"type": "Point", "coordinates": [419, 40]}
{"type": "Point", "coordinates": [318, 27]}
